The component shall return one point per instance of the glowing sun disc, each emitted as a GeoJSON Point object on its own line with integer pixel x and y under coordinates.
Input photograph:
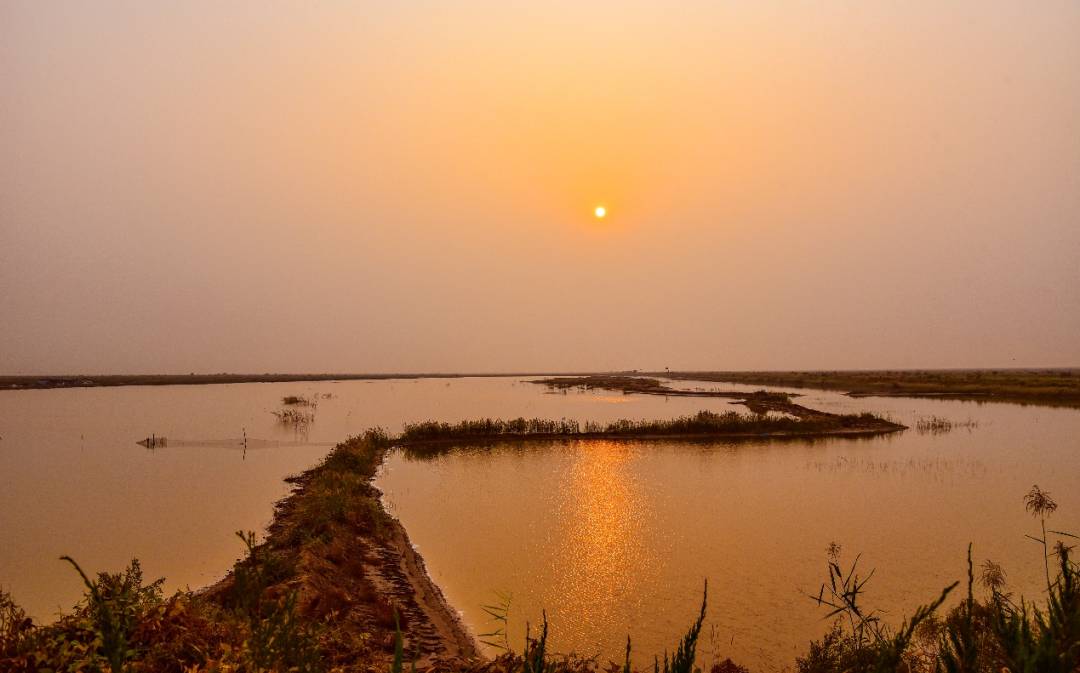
{"type": "Point", "coordinates": [600, 212]}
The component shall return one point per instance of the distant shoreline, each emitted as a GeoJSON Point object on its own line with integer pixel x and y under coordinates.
{"type": "Point", "coordinates": [1048, 386]}
{"type": "Point", "coordinates": [28, 382]}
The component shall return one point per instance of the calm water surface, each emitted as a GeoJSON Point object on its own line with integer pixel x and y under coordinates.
{"type": "Point", "coordinates": [615, 538]}
{"type": "Point", "coordinates": [74, 481]}
{"type": "Point", "coordinates": [611, 538]}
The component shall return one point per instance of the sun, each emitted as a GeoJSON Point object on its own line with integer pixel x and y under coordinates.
{"type": "Point", "coordinates": [600, 212]}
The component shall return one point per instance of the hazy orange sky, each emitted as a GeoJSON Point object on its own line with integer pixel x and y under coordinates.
{"type": "Point", "coordinates": [409, 186]}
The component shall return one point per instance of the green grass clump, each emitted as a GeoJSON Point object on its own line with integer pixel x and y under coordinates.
{"type": "Point", "coordinates": [686, 652]}
{"type": "Point", "coordinates": [125, 625]}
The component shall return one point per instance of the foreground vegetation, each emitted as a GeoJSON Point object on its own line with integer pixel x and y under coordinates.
{"type": "Point", "coordinates": [997, 634]}
{"type": "Point", "coordinates": [325, 593]}
{"type": "Point", "coordinates": [1035, 386]}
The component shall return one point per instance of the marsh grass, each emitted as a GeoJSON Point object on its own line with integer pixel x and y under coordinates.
{"type": "Point", "coordinates": [499, 611]}
{"type": "Point", "coordinates": [295, 417]}
{"type": "Point", "coordinates": [627, 384]}
{"type": "Point", "coordinates": [933, 425]}
{"type": "Point", "coordinates": [16, 628]}
{"type": "Point", "coordinates": [298, 412]}
{"type": "Point", "coordinates": [682, 661]}
{"type": "Point", "coordinates": [993, 635]}
{"type": "Point", "coordinates": [704, 423]}
{"type": "Point", "coordinates": [112, 604]}
{"type": "Point", "coordinates": [938, 425]}
{"type": "Point", "coordinates": [651, 386]}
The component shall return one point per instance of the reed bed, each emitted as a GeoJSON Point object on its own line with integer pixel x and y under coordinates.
{"type": "Point", "coordinates": [295, 417]}
{"type": "Point", "coordinates": [937, 425]}
{"type": "Point", "coordinates": [298, 401]}
{"type": "Point", "coordinates": [703, 423]}
{"type": "Point", "coordinates": [934, 425]}
{"type": "Point", "coordinates": [627, 384]}
{"type": "Point", "coordinates": [651, 386]}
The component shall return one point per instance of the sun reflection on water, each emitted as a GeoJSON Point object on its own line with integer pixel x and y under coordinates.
{"type": "Point", "coordinates": [605, 555]}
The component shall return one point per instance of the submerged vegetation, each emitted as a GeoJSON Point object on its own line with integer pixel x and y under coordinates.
{"type": "Point", "coordinates": [297, 412]}
{"type": "Point", "coordinates": [938, 425]}
{"type": "Point", "coordinates": [295, 417]}
{"type": "Point", "coordinates": [337, 586]}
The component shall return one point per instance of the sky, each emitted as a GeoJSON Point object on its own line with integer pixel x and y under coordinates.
{"type": "Point", "coordinates": [410, 186]}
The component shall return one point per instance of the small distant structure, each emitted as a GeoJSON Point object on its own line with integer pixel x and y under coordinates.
{"type": "Point", "coordinates": [153, 442]}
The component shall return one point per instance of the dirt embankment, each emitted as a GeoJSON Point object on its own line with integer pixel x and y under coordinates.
{"type": "Point", "coordinates": [354, 571]}
{"type": "Point", "coordinates": [436, 628]}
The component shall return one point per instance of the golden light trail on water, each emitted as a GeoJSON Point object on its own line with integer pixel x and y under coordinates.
{"type": "Point", "coordinates": [607, 521]}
